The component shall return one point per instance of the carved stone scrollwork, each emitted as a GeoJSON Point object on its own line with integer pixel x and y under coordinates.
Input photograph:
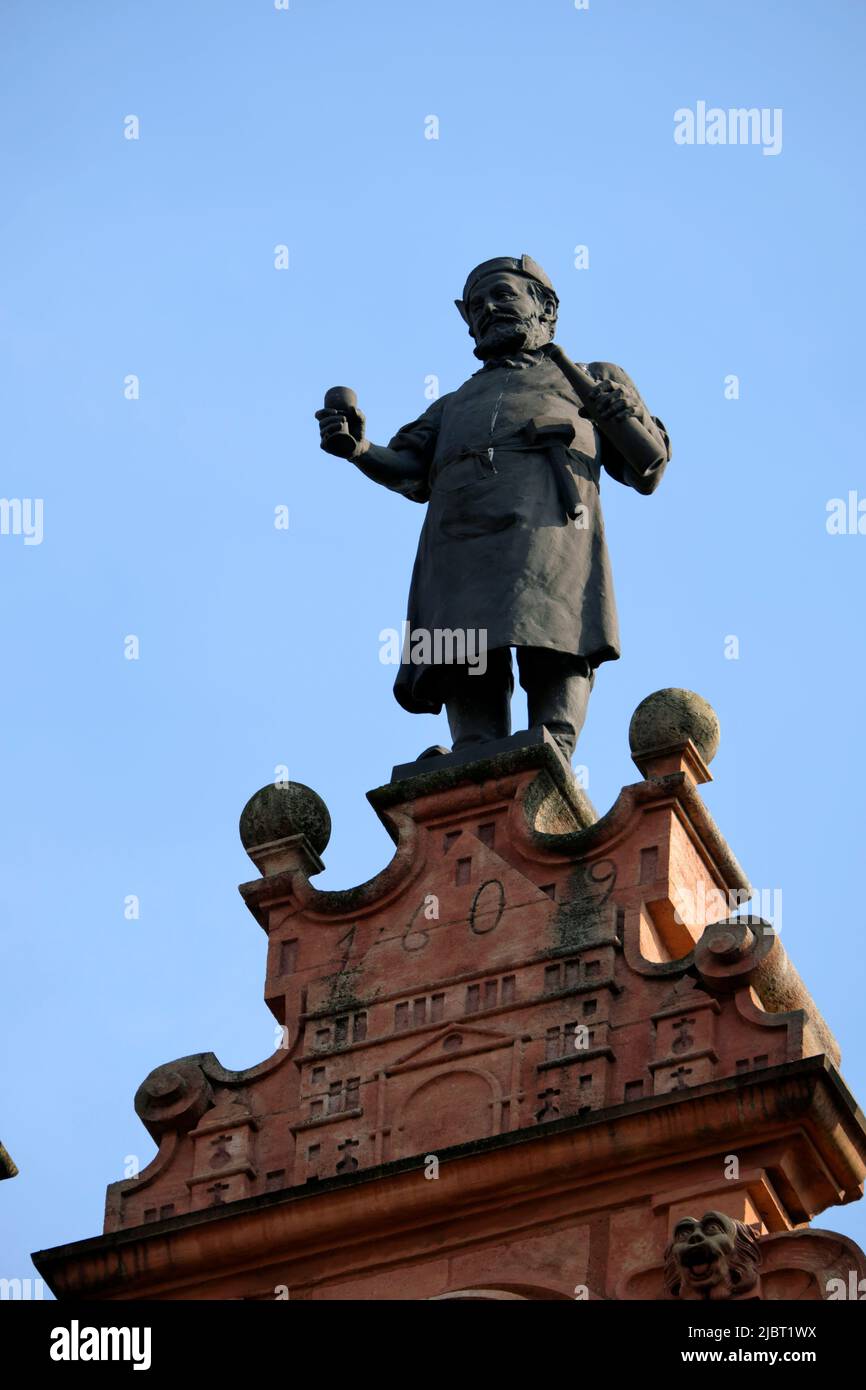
{"type": "Point", "coordinates": [736, 952]}
{"type": "Point", "coordinates": [746, 951]}
{"type": "Point", "coordinates": [173, 1097]}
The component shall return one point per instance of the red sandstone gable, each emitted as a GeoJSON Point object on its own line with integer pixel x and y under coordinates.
{"type": "Point", "coordinates": [510, 1018]}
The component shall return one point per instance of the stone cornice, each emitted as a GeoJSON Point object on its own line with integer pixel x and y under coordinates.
{"type": "Point", "coordinates": [803, 1102]}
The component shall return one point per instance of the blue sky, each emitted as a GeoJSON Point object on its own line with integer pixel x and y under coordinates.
{"type": "Point", "coordinates": [259, 647]}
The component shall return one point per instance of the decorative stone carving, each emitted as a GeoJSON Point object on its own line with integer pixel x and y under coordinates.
{"type": "Point", "coordinates": [743, 952]}
{"type": "Point", "coordinates": [284, 824]}
{"type": "Point", "coordinates": [486, 1001]}
{"type": "Point", "coordinates": [668, 719]}
{"type": "Point", "coordinates": [712, 1257]}
{"type": "Point", "coordinates": [718, 1258]}
{"type": "Point", "coordinates": [173, 1097]}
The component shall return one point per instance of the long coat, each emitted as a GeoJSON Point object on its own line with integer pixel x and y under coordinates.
{"type": "Point", "coordinates": [498, 552]}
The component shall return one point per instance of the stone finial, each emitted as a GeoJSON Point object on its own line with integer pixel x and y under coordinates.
{"type": "Point", "coordinates": [674, 731]}
{"type": "Point", "coordinates": [285, 825]}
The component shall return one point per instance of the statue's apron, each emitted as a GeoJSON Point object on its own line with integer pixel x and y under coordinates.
{"type": "Point", "coordinates": [513, 542]}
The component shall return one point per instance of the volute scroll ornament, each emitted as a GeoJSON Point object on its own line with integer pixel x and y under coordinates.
{"type": "Point", "coordinates": [173, 1097]}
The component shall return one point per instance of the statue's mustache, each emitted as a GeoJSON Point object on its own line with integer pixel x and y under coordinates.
{"type": "Point", "coordinates": [505, 320]}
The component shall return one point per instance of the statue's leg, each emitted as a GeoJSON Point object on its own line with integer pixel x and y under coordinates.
{"type": "Point", "coordinates": [557, 689]}
{"type": "Point", "coordinates": [479, 706]}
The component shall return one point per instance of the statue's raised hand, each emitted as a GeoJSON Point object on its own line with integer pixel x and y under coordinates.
{"type": "Point", "coordinates": [609, 400]}
{"type": "Point", "coordinates": [341, 423]}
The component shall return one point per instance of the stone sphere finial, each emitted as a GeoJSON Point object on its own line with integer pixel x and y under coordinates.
{"type": "Point", "coordinates": [279, 812]}
{"type": "Point", "coordinates": [666, 720]}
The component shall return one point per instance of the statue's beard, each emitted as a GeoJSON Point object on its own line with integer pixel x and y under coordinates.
{"type": "Point", "coordinates": [507, 334]}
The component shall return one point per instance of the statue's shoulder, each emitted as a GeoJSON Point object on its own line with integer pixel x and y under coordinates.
{"type": "Point", "coordinates": [440, 405]}
{"type": "Point", "coordinates": [475, 384]}
{"type": "Point", "coordinates": [433, 414]}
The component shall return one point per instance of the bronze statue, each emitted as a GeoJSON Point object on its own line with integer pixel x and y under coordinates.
{"type": "Point", "coordinates": [512, 546]}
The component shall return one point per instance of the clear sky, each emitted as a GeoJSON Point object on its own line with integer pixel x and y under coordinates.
{"type": "Point", "coordinates": [155, 258]}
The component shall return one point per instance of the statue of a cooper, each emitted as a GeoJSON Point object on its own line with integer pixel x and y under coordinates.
{"type": "Point", "coordinates": [512, 551]}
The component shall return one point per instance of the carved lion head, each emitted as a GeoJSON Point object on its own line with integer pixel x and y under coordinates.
{"type": "Point", "coordinates": [714, 1257]}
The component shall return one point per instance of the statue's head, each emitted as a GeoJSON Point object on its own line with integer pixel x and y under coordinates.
{"type": "Point", "coordinates": [714, 1257]}
{"type": "Point", "coordinates": [510, 305]}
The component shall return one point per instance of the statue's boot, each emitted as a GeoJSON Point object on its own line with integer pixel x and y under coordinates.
{"type": "Point", "coordinates": [557, 687]}
{"type": "Point", "coordinates": [479, 706]}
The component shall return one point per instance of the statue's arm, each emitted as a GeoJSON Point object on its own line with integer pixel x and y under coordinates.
{"type": "Point", "coordinates": [401, 470]}
{"type": "Point", "coordinates": [403, 465]}
{"type": "Point", "coordinates": [614, 460]}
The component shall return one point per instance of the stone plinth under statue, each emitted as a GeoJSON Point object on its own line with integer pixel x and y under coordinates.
{"type": "Point", "coordinates": [513, 1065]}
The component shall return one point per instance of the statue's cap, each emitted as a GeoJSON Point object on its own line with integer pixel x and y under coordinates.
{"type": "Point", "coordinates": [512, 265]}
